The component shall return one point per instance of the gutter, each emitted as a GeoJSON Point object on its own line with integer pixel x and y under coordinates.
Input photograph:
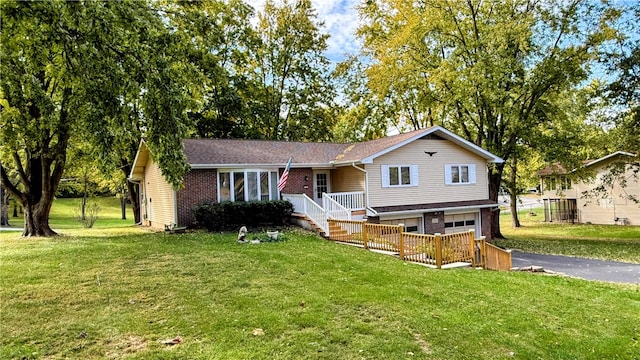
{"type": "Point", "coordinates": [422, 211]}
{"type": "Point", "coordinates": [366, 185]}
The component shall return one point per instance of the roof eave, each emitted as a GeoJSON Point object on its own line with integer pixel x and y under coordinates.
{"type": "Point", "coordinates": [469, 146]}
{"type": "Point", "coordinates": [262, 165]}
{"type": "Point", "coordinates": [421, 211]}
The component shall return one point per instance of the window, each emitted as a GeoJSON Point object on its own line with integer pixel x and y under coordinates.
{"type": "Point", "coordinates": [248, 185]}
{"type": "Point", "coordinates": [460, 174]}
{"type": "Point", "coordinates": [557, 183]}
{"type": "Point", "coordinates": [399, 175]}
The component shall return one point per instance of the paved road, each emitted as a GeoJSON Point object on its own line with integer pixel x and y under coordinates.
{"type": "Point", "coordinates": [579, 267]}
{"type": "Point", "coordinates": [525, 202]}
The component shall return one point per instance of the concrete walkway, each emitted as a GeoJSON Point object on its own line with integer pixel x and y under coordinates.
{"type": "Point", "coordinates": [588, 269]}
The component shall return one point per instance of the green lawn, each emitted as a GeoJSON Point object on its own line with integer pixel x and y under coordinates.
{"type": "Point", "coordinates": [63, 217]}
{"type": "Point", "coordinates": [609, 242]}
{"type": "Point", "coordinates": [122, 296]}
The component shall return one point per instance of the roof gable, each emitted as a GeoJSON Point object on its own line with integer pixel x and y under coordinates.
{"type": "Point", "coordinates": [366, 152]}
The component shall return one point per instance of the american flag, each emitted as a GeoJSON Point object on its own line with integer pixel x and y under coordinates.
{"type": "Point", "coordinates": [283, 179]}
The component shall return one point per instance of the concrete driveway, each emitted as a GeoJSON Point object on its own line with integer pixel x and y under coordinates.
{"type": "Point", "coordinates": [589, 269]}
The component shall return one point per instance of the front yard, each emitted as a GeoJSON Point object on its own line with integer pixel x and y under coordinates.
{"type": "Point", "coordinates": [202, 296]}
{"type": "Point", "coordinates": [607, 242]}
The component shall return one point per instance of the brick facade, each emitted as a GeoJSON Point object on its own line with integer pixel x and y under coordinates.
{"type": "Point", "coordinates": [434, 222]}
{"type": "Point", "coordinates": [485, 215]}
{"type": "Point", "coordinates": [297, 183]}
{"type": "Point", "coordinates": [199, 186]}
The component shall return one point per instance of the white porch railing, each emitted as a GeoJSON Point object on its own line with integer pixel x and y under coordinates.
{"type": "Point", "coordinates": [305, 205]}
{"type": "Point", "coordinates": [351, 200]}
{"type": "Point", "coordinates": [334, 209]}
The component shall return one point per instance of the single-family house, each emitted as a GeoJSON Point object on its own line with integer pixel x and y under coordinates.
{"type": "Point", "coordinates": [430, 180]}
{"type": "Point", "coordinates": [593, 199]}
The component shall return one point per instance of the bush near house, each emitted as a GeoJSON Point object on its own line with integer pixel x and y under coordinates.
{"type": "Point", "coordinates": [231, 215]}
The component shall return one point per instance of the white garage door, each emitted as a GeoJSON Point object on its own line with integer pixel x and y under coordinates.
{"type": "Point", "coordinates": [410, 224]}
{"type": "Point", "coordinates": [460, 222]}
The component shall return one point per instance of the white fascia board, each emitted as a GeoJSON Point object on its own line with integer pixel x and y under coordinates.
{"type": "Point", "coordinates": [135, 160]}
{"type": "Point", "coordinates": [468, 145]}
{"type": "Point", "coordinates": [369, 159]}
{"type": "Point", "coordinates": [445, 134]}
{"type": "Point", "coordinates": [609, 157]}
{"type": "Point", "coordinates": [251, 166]}
{"type": "Point", "coordinates": [422, 211]}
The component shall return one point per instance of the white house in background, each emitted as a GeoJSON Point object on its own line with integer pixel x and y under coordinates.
{"type": "Point", "coordinates": [567, 200]}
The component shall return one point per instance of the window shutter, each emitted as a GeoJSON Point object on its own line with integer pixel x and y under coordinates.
{"type": "Point", "coordinates": [472, 173]}
{"type": "Point", "coordinates": [447, 174]}
{"type": "Point", "coordinates": [384, 169]}
{"type": "Point", "coordinates": [414, 175]}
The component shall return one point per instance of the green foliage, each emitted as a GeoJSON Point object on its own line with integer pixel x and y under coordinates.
{"type": "Point", "coordinates": [99, 72]}
{"type": "Point", "coordinates": [487, 70]}
{"type": "Point", "coordinates": [294, 95]}
{"type": "Point", "coordinates": [232, 215]}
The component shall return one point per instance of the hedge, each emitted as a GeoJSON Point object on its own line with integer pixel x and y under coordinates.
{"type": "Point", "coordinates": [231, 215]}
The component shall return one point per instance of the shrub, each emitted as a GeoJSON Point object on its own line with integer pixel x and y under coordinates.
{"type": "Point", "coordinates": [231, 215]}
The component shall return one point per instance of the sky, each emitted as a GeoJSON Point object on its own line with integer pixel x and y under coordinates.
{"type": "Point", "coordinates": [340, 21]}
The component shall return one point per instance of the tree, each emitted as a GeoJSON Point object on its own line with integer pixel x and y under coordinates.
{"type": "Point", "coordinates": [484, 69]}
{"type": "Point", "coordinates": [73, 69]}
{"type": "Point", "coordinates": [294, 96]}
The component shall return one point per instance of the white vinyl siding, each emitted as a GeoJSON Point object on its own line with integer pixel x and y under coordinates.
{"type": "Point", "coordinates": [399, 175]}
{"type": "Point", "coordinates": [431, 171]}
{"type": "Point", "coordinates": [456, 174]}
{"type": "Point", "coordinates": [159, 198]}
{"type": "Point", "coordinates": [247, 185]}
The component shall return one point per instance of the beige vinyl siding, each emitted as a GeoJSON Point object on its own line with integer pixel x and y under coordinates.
{"type": "Point", "coordinates": [604, 211]}
{"type": "Point", "coordinates": [160, 198]}
{"type": "Point", "coordinates": [431, 173]}
{"type": "Point", "coordinates": [347, 179]}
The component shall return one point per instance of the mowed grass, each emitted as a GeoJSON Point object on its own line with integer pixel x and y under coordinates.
{"type": "Point", "coordinates": [90, 297]}
{"type": "Point", "coordinates": [607, 242]}
{"type": "Point", "coordinates": [62, 218]}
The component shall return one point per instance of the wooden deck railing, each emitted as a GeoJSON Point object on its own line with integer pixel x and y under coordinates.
{"type": "Point", "coordinates": [496, 258]}
{"type": "Point", "coordinates": [437, 249]}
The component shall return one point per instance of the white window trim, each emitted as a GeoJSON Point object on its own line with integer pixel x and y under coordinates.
{"type": "Point", "coordinates": [413, 176]}
{"type": "Point", "coordinates": [448, 179]}
{"type": "Point", "coordinates": [246, 188]}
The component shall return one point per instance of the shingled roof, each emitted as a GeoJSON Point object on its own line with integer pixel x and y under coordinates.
{"type": "Point", "coordinates": [219, 153]}
{"type": "Point", "coordinates": [203, 153]}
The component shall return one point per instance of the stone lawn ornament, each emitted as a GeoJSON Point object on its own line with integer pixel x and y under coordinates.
{"type": "Point", "coordinates": [242, 234]}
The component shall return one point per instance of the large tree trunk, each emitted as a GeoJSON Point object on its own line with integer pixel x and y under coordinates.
{"type": "Point", "coordinates": [36, 219]}
{"type": "Point", "coordinates": [134, 194]}
{"type": "Point", "coordinates": [495, 178]}
{"type": "Point", "coordinates": [4, 207]}
{"type": "Point", "coordinates": [515, 222]}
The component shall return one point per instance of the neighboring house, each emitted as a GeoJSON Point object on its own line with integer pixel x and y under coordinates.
{"type": "Point", "coordinates": [576, 201]}
{"type": "Point", "coordinates": [430, 180]}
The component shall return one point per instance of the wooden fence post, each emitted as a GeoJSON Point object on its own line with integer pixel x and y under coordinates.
{"type": "Point", "coordinates": [438, 250]}
{"type": "Point", "coordinates": [365, 235]}
{"type": "Point", "coordinates": [401, 241]}
{"type": "Point", "coordinates": [472, 247]}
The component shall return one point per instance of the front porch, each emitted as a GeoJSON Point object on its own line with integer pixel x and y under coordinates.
{"type": "Point", "coordinates": [342, 205]}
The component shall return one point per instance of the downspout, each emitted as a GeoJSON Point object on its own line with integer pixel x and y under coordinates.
{"type": "Point", "coordinates": [366, 185]}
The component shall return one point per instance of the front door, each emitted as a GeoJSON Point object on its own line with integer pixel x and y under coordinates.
{"type": "Point", "coordinates": [320, 184]}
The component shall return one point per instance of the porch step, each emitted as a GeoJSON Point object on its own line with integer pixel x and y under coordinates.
{"type": "Point", "coordinates": [315, 227]}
